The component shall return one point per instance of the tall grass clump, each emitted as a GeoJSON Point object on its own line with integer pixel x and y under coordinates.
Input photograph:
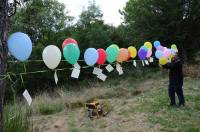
{"type": "Point", "coordinates": [46, 105]}
{"type": "Point", "coordinates": [17, 119]}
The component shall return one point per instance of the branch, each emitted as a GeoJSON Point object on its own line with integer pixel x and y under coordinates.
{"type": "Point", "coordinates": [13, 8]}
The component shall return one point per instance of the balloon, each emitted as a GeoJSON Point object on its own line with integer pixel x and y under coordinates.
{"type": "Point", "coordinates": [173, 46]}
{"type": "Point", "coordinates": [101, 56]}
{"type": "Point", "coordinates": [149, 53]}
{"type": "Point", "coordinates": [112, 53]}
{"type": "Point", "coordinates": [174, 51]}
{"type": "Point", "coordinates": [163, 61]}
{"type": "Point", "coordinates": [161, 48]}
{"type": "Point", "coordinates": [68, 41]}
{"type": "Point", "coordinates": [20, 46]}
{"type": "Point", "coordinates": [145, 48]}
{"type": "Point", "coordinates": [142, 54]}
{"type": "Point", "coordinates": [129, 55]}
{"type": "Point", "coordinates": [159, 54]}
{"type": "Point", "coordinates": [114, 45]}
{"type": "Point", "coordinates": [123, 55]}
{"type": "Point", "coordinates": [148, 45]}
{"type": "Point", "coordinates": [51, 56]}
{"type": "Point", "coordinates": [91, 56]}
{"type": "Point", "coordinates": [156, 44]}
{"type": "Point", "coordinates": [133, 51]}
{"type": "Point", "coordinates": [167, 53]}
{"type": "Point", "coordinates": [71, 53]}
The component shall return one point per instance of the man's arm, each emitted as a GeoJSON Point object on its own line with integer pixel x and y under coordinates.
{"type": "Point", "coordinates": [172, 65]}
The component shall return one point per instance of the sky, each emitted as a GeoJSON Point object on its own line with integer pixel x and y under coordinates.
{"type": "Point", "coordinates": [110, 9]}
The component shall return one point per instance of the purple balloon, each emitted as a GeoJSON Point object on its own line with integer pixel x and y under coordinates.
{"type": "Point", "coordinates": [142, 54]}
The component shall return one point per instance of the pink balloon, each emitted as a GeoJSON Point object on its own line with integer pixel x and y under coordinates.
{"type": "Point", "coordinates": [167, 53]}
{"type": "Point", "coordinates": [68, 41]}
{"type": "Point", "coordinates": [161, 48]}
{"type": "Point", "coordinates": [149, 53]}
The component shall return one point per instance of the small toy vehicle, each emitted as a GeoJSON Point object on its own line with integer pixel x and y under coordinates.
{"type": "Point", "coordinates": [95, 109]}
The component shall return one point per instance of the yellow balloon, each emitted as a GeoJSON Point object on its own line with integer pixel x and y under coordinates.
{"type": "Point", "coordinates": [148, 45]}
{"type": "Point", "coordinates": [133, 51]}
{"type": "Point", "coordinates": [163, 61]}
{"type": "Point", "coordinates": [171, 56]}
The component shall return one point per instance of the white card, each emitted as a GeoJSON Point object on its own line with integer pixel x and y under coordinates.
{"type": "Point", "coordinates": [121, 72]}
{"type": "Point", "coordinates": [109, 68]}
{"type": "Point", "coordinates": [134, 63]}
{"type": "Point", "coordinates": [102, 76]}
{"type": "Point", "coordinates": [143, 63]}
{"type": "Point", "coordinates": [97, 71]}
{"type": "Point", "coordinates": [77, 66]}
{"type": "Point", "coordinates": [118, 67]}
{"type": "Point", "coordinates": [56, 77]}
{"type": "Point", "coordinates": [151, 59]}
{"type": "Point", "coordinates": [146, 62]}
{"type": "Point", "coordinates": [27, 97]}
{"type": "Point", "coordinates": [75, 73]}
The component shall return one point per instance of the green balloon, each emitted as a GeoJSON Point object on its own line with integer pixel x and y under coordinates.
{"type": "Point", "coordinates": [173, 46]}
{"type": "Point", "coordinates": [112, 53]}
{"type": "Point", "coordinates": [114, 45]}
{"type": "Point", "coordinates": [71, 53]}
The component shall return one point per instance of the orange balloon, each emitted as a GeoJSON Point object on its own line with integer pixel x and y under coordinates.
{"type": "Point", "coordinates": [129, 55]}
{"type": "Point", "coordinates": [123, 55]}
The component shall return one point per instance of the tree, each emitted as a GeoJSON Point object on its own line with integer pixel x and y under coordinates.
{"type": "Point", "coordinates": [166, 20]}
{"type": "Point", "coordinates": [90, 30]}
{"type": "Point", "coordinates": [3, 53]}
{"type": "Point", "coordinates": [41, 20]}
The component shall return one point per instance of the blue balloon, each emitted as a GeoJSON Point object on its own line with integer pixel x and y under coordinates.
{"type": "Point", "coordinates": [159, 54]}
{"type": "Point", "coordinates": [91, 56]}
{"type": "Point", "coordinates": [156, 43]}
{"type": "Point", "coordinates": [20, 46]}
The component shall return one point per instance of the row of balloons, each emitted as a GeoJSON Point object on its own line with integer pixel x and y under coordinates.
{"type": "Point", "coordinates": [20, 46]}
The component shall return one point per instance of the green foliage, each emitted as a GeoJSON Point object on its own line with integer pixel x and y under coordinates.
{"type": "Point", "coordinates": [16, 119]}
{"type": "Point", "coordinates": [168, 21]}
{"type": "Point", "coordinates": [48, 108]}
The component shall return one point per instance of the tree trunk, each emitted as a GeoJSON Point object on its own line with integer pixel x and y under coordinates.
{"type": "Point", "coordinates": [3, 54]}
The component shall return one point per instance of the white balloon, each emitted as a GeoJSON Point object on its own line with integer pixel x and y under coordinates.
{"type": "Point", "coordinates": [51, 56]}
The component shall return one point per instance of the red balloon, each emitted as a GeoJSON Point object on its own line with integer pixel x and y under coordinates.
{"type": "Point", "coordinates": [129, 55]}
{"type": "Point", "coordinates": [102, 56]}
{"type": "Point", "coordinates": [68, 41]}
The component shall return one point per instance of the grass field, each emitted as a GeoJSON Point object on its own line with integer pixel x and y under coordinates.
{"type": "Point", "coordinates": [135, 105]}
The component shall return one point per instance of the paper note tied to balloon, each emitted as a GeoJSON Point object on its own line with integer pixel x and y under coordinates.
{"type": "Point", "coordinates": [109, 68]}
{"type": "Point", "coordinates": [134, 63]}
{"type": "Point", "coordinates": [102, 76]}
{"type": "Point", "coordinates": [56, 77]}
{"type": "Point", "coordinates": [27, 97]}
{"type": "Point", "coordinates": [146, 62]}
{"type": "Point", "coordinates": [119, 69]}
{"type": "Point", "coordinates": [143, 63]}
{"type": "Point", "coordinates": [151, 60]}
{"type": "Point", "coordinates": [75, 73]}
{"type": "Point", "coordinates": [97, 71]}
{"type": "Point", "coordinates": [77, 66]}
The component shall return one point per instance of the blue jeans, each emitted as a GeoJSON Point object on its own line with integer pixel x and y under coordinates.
{"type": "Point", "coordinates": [179, 91]}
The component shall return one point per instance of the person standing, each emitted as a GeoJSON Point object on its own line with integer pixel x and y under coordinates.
{"type": "Point", "coordinates": [175, 81]}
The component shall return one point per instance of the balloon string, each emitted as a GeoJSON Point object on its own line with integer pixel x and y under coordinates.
{"type": "Point", "coordinates": [43, 71]}
{"type": "Point", "coordinates": [29, 61]}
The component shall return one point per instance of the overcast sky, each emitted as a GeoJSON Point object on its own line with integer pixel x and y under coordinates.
{"type": "Point", "coordinates": [110, 9]}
